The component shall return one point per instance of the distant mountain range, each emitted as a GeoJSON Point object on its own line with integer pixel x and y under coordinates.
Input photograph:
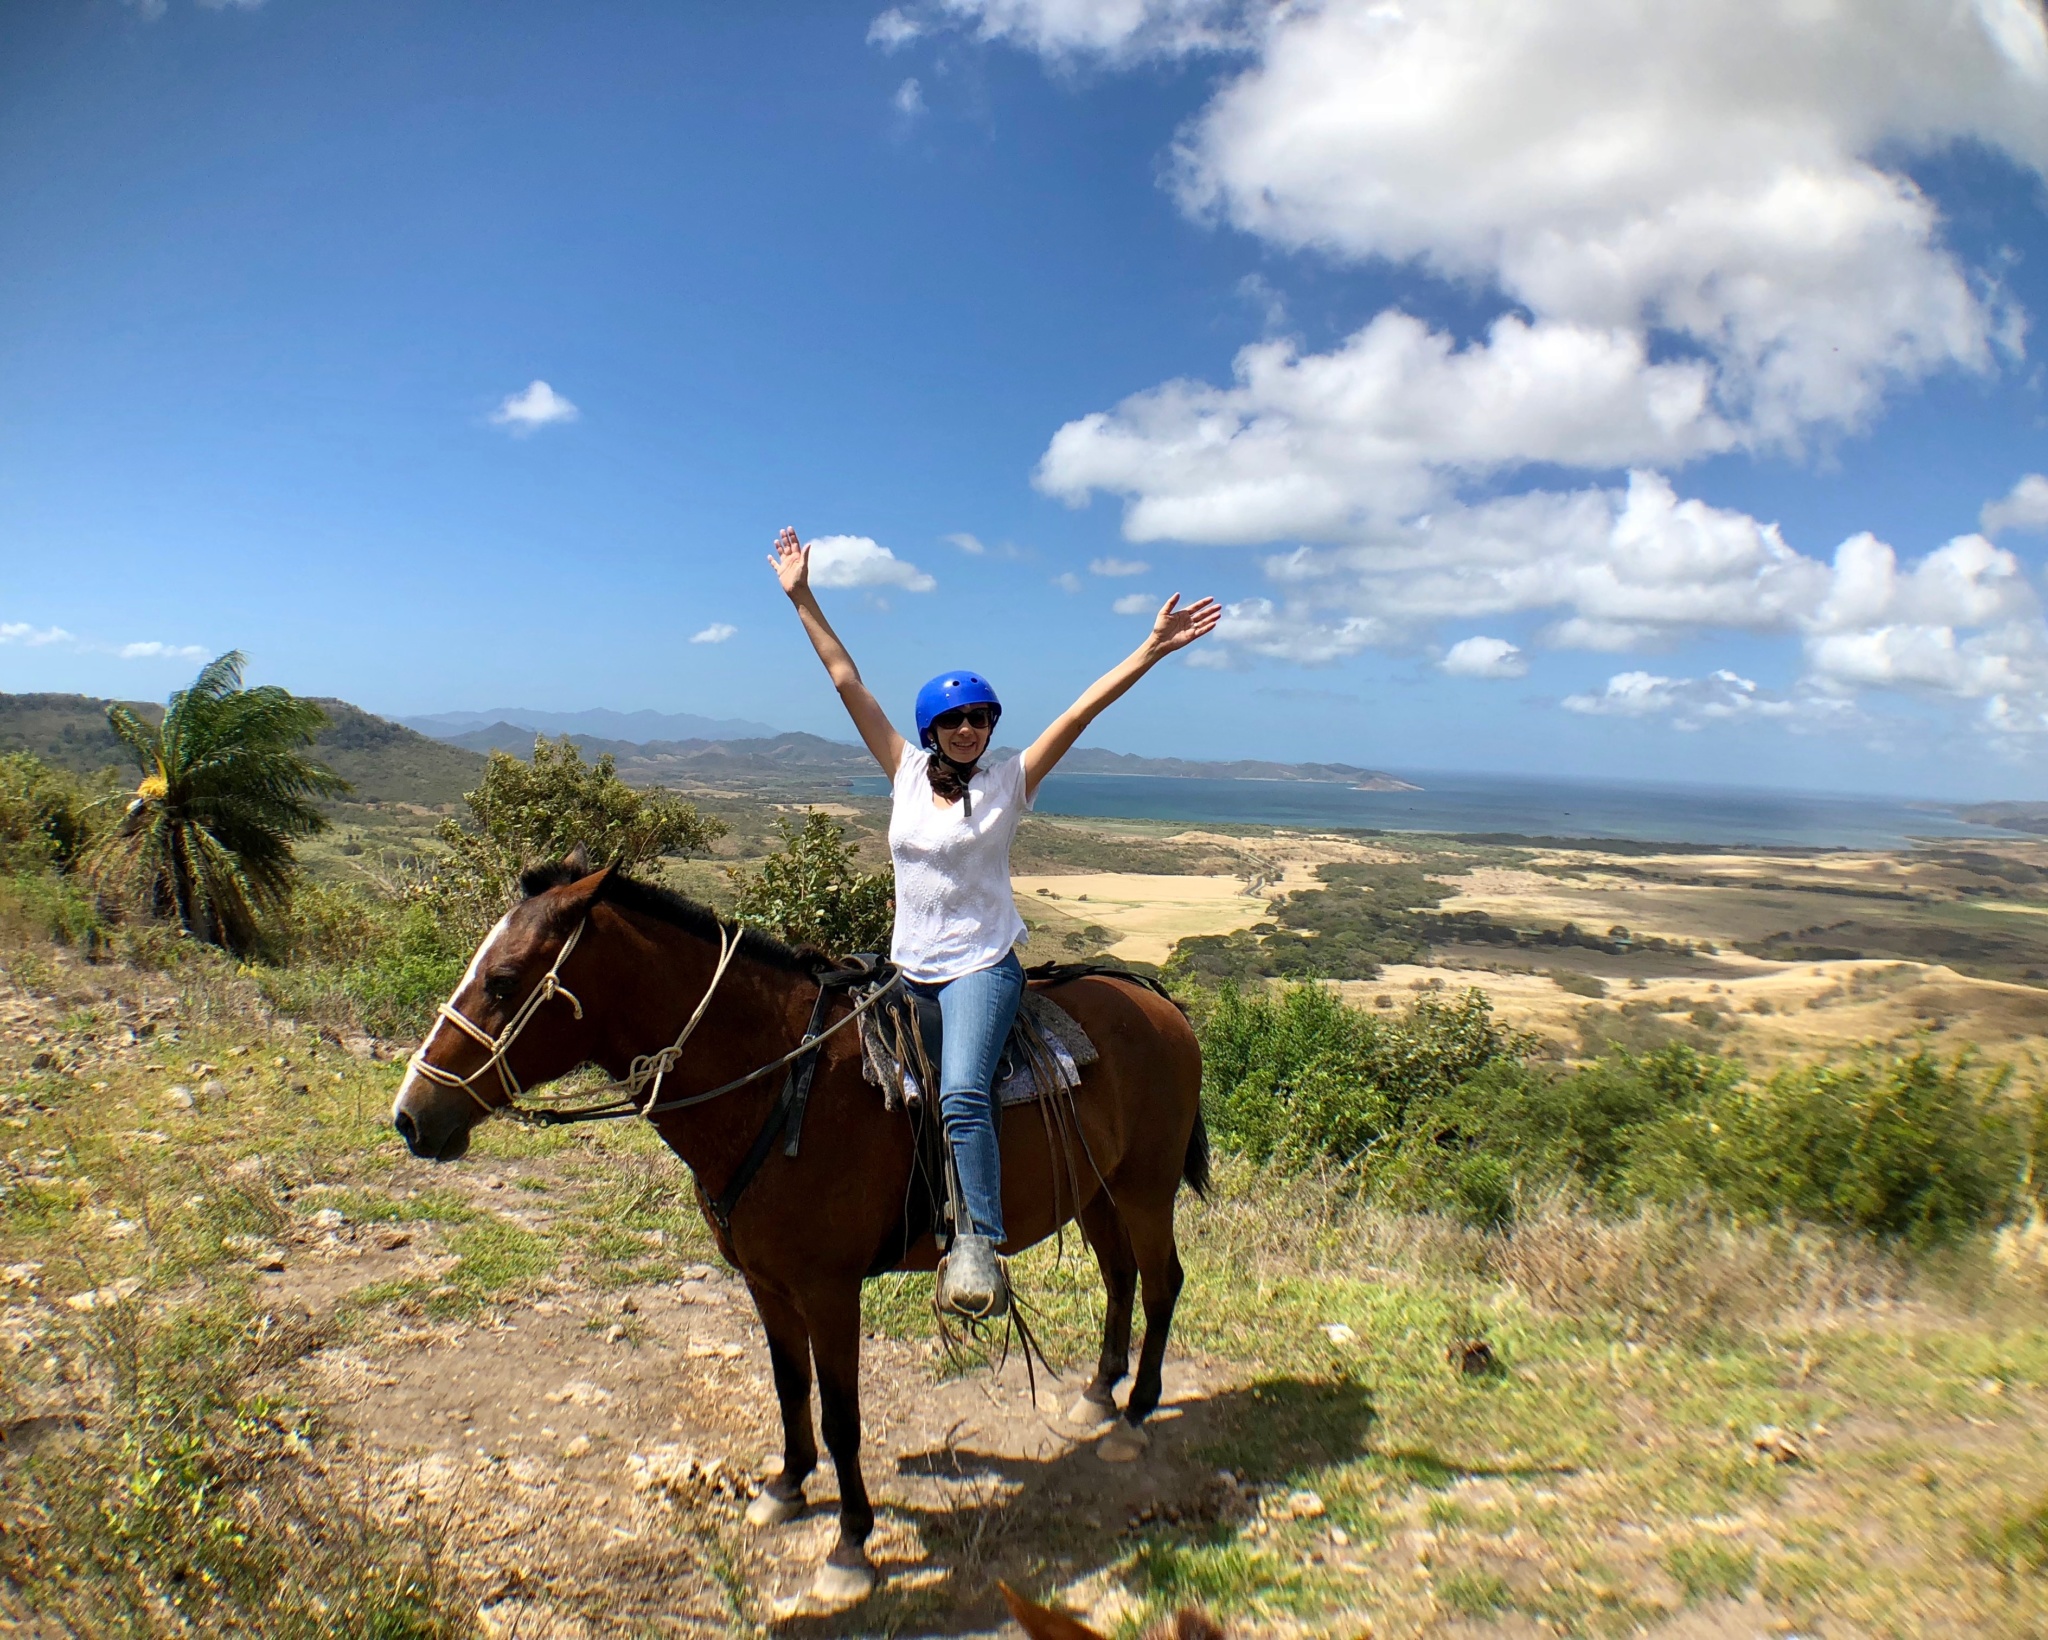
{"type": "Point", "coordinates": [387, 762]}
{"type": "Point", "coordinates": [725, 761]}
{"type": "Point", "coordinates": [384, 762]}
{"type": "Point", "coordinates": [632, 728]}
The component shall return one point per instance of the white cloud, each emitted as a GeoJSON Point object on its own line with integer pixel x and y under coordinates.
{"type": "Point", "coordinates": [1118, 566]}
{"type": "Point", "coordinates": [35, 637]}
{"type": "Point", "coordinates": [1689, 702]}
{"type": "Point", "coordinates": [858, 561]}
{"type": "Point", "coordinates": [716, 632]}
{"type": "Point", "coordinates": [969, 544]}
{"type": "Point", "coordinates": [1136, 603]}
{"type": "Point", "coordinates": [1256, 627]}
{"type": "Point", "coordinates": [1270, 304]}
{"type": "Point", "coordinates": [537, 405]}
{"type": "Point", "coordinates": [1694, 226]}
{"type": "Point", "coordinates": [2024, 507]}
{"type": "Point", "coordinates": [1067, 581]}
{"type": "Point", "coordinates": [909, 99]}
{"type": "Point", "coordinates": [1484, 658]}
{"type": "Point", "coordinates": [1117, 29]}
{"type": "Point", "coordinates": [154, 651]}
{"type": "Point", "coordinates": [1619, 568]}
{"type": "Point", "coordinates": [893, 28]}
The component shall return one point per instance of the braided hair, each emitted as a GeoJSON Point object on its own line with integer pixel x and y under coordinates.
{"type": "Point", "coordinates": [949, 779]}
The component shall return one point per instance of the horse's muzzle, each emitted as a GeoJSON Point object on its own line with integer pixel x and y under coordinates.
{"type": "Point", "coordinates": [442, 1146]}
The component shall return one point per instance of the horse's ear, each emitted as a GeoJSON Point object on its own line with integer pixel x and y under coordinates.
{"type": "Point", "coordinates": [1043, 1623]}
{"type": "Point", "coordinates": [578, 862]}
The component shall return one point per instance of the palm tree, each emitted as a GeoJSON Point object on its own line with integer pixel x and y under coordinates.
{"type": "Point", "coordinates": [207, 836]}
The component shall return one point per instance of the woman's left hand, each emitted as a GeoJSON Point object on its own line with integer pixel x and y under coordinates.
{"type": "Point", "coordinates": [1175, 628]}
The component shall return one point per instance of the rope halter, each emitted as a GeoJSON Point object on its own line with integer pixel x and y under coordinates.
{"type": "Point", "coordinates": [497, 1047]}
{"type": "Point", "coordinates": [645, 1070]}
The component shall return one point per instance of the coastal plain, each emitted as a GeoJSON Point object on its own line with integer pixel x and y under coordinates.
{"type": "Point", "coordinates": [1777, 953]}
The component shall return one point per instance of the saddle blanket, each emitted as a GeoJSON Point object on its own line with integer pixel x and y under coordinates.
{"type": "Point", "coordinates": [1045, 1041]}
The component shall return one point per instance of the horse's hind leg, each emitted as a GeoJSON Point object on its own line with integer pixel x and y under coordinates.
{"type": "Point", "coordinates": [1160, 1276]}
{"type": "Point", "coordinates": [789, 1357]}
{"type": "Point", "coordinates": [1119, 1265]}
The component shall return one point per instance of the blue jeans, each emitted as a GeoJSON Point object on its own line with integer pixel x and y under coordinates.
{"type": "Point", "coordinates": [978, 1009]}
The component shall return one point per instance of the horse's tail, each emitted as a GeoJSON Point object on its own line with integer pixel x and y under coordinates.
{"type": "Point", "coordinates": [1195, 1168]}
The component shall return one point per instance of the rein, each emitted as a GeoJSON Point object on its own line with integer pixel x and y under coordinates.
{"type": "Point", "coordinates": [645, 1074]}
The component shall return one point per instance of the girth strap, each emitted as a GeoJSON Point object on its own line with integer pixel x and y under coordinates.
{"type": "Point", "coordinates": [787, 1116]}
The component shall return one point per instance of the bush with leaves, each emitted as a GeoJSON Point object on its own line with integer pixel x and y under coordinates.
{"type": "Point", "coordinates": [1517, 1127]}
{"type": "Point", "coordinates": [226, 788]}
{"type": "Point", "coordinates": [523, 812]}
{"type": "Point", "coordinates": [46, 814]}
{"type": "Point", "coordinates": [811, 891]}
{"type": "Point", "coordinates": [1293, 1076]}
{"type": "Point", "coordinates": [1902, 1146]}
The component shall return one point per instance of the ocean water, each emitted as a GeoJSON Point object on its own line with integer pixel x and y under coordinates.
{"type": "Point", "coordinates": [1635, 811]}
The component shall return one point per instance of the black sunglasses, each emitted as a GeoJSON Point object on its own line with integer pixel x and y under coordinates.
{"type": "Point", "coordinates": [974, 717]}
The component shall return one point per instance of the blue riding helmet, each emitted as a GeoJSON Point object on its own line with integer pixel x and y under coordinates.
{"type": "Point", "coordinates": [948, 691]}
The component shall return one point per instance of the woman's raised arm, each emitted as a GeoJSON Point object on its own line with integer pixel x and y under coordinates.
{"type": "Point", "coordinates": [1173, 628]}
{"type": "Point", "coordinates": [792, 561]}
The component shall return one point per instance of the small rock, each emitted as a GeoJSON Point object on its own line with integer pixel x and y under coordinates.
{"type": "Point", "coordinates": [1472, 1356]}
{"type": "Point", "coordinates": [29, 1275]}
{"type": "Point", "coordinates": [262, 1255]}
{"type": "Point", "coordinates": [628, 1307]}
{"type": "Point", "coordinates": [615, 1333]}
{"type": "Point", "coordinates": [391, 1240]}
{"type": "Point", "coordinates": [180, 1096]}
{"type": "Point", "coordinates": [101, 1298]}
{"type": "Point", "coordinates": [1340, 1537]}
{"type": "Point", "coordinates": [213, 1088]}
{"type": "Point", "coordinates": [44, 1061]}
{"type": "Point", "coordinates": [1302, 1505]}
{"type": "Point", "coordinates": [491, 1181]}
{"type": "Point", "coordinates": [576, 1447]}
{"type": "Point", "coordinates": [580, 1392]}
{"type": "Point", "coordinates": [329, 1218]}
{"type": "Point", "coordinates": [1779, 1445]}
{"type": "Point", "coordinates": [1338, 1333]}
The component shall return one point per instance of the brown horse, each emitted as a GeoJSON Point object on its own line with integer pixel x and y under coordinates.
{"type": "Point", "coordinates": [598, 968]}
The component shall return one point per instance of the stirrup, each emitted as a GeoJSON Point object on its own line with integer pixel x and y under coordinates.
{"type": "Point", "coordinates": [972, 1284]}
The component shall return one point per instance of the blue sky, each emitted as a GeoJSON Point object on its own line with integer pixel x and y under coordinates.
{"type": "Point", "coordinates": [1359, 318]}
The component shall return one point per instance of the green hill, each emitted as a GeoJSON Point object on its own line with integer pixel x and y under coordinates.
{"type": "Point", "coordinates": [384, 761]}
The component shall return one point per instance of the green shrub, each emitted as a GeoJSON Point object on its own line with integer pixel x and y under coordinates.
{"type": "Point", "coordinates": [43, 905]}
{"type": "Point", "coordinates": [396, 990]}
{"type": "Point", "coordinates": [1515, 1123]}
{"type": "Point", "coordinates": [46, 814]}
{"type": "Point", "coordinates": [811, 892]}
{"type": "Point", "coordinates": [1294, 1076]}
{"type": "Point", "coordinates": [1904, 1147]}
{"type": "Point", "coordinates": [523, 812]}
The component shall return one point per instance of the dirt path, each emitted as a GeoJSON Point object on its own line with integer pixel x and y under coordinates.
{"type": "Point", "coordinates": [585, 1457]}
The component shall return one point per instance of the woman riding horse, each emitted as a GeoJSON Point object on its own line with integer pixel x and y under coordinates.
{"type": "Point", "coordinates": [951, 823]}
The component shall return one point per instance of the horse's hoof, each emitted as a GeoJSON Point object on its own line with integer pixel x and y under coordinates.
{"type": "Point", "coordinates": [1090, 1414]}
{"type": "Point", "coordinates": [843, 1585]}
{"type": "Point", "coordinates": [769, 1510]}
{"type": "Point", "coordinates": [1124, 1444]}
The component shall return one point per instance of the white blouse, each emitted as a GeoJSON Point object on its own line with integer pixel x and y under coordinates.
{"type": "Point", "coordinates": [954, 909]}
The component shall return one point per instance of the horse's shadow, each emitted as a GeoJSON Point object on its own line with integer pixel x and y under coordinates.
{"type": "Point", "coordinates": [1040, 1524]}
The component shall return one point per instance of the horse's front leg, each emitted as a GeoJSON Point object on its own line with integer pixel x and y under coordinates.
{"type": "Point", "coordinates": [834, 1316]}
{"type": "Point", "coordinates": [789, 1357]}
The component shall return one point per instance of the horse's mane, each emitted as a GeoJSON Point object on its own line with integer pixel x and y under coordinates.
{"type": "Point", "coordinates": [680, 911]}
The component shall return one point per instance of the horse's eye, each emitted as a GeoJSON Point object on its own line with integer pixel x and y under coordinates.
{"type": "Point", "coordinates": [499, 987]}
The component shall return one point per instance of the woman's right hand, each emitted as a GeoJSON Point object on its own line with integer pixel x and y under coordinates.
{"type": "Point", "coordinates": [791, 560]}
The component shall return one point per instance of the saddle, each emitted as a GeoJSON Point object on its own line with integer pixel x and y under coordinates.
{"type": "Point", "coordinates": [902, 1043]}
